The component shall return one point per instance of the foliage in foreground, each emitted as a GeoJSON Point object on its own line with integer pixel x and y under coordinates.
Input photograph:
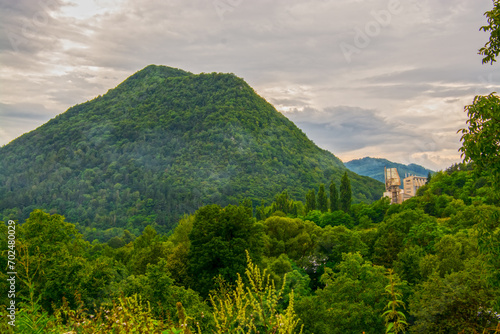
{"type": "Point", "coordinates": [253, 307]}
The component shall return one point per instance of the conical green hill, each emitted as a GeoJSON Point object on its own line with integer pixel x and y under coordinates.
{"type": "Point", "coordinates": [163, 143]}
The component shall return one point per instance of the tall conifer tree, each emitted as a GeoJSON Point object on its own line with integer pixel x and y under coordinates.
{"type": "Point", "coordinates": [334, 197]}
{"type": "Point", "coordinates": [345, 193]}
{"type": "Point", "coordinates": [310, 200]}
{"type": "Point", "coordinates": [322, 199]}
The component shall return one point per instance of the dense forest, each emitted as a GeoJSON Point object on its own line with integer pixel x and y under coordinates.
{"type": "Point", "coordinates": [162, 144]}
{"type": "Point", "coordinates": [429, 265]}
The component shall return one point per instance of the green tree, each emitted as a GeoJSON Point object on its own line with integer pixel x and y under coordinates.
{"type": "Point", "coordinates": [48, 233]}
{"type": "Point", "coordinates": [456, 303]}
{"type": "Point", "coordinates": [334, 197]}
{"type": "Point", "coordinates": [452, 254]}
{"type": "Point", "coordinates": [394, 235]}
{"type": "Point", "coordinates": [492, 48]}
{"type": "Point", "coordinates": [178, 245]}
{"type": "Point", "coordinates": [407, 264]}
{"type": "Point", "coordinates": [283, 203]}
{"type": "Point", "coordinates": [63, 265]}
{"type": "Point", "coordinates": [338, 240]}
{"type": "Point", "coordinates": [310, 200]}
{"type": "Point", "coordinates": [157, 286]}
{"type": "Point", "coordinates": [261, 211]}
{"type": "Point", "coordinates": [291, 236]}
{"type": "Point", "coordinates": [352, 301]}
{"type": "Point", "coordinates": [322, 199]}
{"type": "Point", "coordinates": [481, 140]}
{"type": "Point", "coordinates": [335, 218]}
{"type": "Point", "coordinates": [425, 234]}
{"type": "Point", "coordinates": [345, 193]}
{"type": "Point", "coordinates": [148, 249]}
{"type": "Point", "coordinates": [59, 249]}
{"type": "Point", "coordinates": [219, 239]}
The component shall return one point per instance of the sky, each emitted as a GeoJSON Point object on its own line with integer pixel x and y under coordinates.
{"type": "Point", "coordinates": [379, 78]}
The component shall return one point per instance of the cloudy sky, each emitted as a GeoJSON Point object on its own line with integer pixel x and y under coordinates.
{"type": "Point", "coordinates": [380, 78]}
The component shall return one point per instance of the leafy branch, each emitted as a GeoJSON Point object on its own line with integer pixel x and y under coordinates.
{"type": "Point", "coordinates": [395, 320]}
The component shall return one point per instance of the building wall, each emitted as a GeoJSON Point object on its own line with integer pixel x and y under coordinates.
{"type": "Point", "coordinates": [412, 183]}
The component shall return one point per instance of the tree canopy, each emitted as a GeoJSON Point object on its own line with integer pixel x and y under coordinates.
{"type": "Point", "coordinates": [492, 48]}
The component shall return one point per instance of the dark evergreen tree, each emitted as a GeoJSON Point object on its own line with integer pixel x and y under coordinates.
{"type": "Point", "coordinates": [282, 203]}
{"type": "Point", "coordinates": [294, 210]}
{"type": "Point", "coordinates": [322, 199]}
{"type": "Point", "coordinates": [345, 193]}
{"type": "Point", "coordinates": [247, 203]}
{"type": "Point", "coordinates": [334, 197]}
{"type": "Point", "coordinates": [260, 211]}
{"type": "Point", "coordinates": [310, 200]}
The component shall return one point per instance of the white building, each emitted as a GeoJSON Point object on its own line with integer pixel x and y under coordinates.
{"type": "Point", "coordinates": [411, 183]}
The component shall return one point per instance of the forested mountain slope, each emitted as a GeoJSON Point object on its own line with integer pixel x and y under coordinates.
{"type": "Point", "coordinates": [163, 143]}
{"type": "Point", "coordinates": [374, 168]}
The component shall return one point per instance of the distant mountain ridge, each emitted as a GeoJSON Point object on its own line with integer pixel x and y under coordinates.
{"type": "Point", "coordinates": [374, 168]}
{"type": "Point", "coordinates": [163, 143]}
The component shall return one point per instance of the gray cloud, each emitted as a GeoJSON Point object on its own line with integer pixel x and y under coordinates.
{"type": "Point", "coordinates": [20, 118]}
{"type": "Point", "coordinates": [346, 129]}
{"type": "Point", "coordinates": [23, 111]}
{"type": "Point", "coordinates": [342, 129]}
{"type": "Point", "coordinates": [29, 27]}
